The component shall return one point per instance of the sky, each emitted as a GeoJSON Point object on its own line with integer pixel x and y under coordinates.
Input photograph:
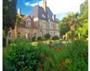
{"type": "Point", "coordinates": [59, 7]}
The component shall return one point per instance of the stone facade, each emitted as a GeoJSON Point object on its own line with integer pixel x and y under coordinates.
{"type": "Point", "coordinates": [39, 23]}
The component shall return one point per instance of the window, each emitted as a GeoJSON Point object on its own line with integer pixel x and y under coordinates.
{"type": "Point", "coordinates": [43, 15]}
{"type": "Point", "coordinates": [28, 23]}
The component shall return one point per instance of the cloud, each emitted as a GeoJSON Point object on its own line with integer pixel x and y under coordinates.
{"type": "Point", "coordinates": [60, 7]}
{"type": "Point", "coordinates": [33, 4]}
{"type": "Point", "coordinates": [60, 15]}
{"type": "Point", "coordinates": [27, 3]}
{"type": "Point", "coordinates": [64, 6]}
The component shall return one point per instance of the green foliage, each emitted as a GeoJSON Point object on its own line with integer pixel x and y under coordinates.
{"type": "Point", "coordinates": [68, 23]}
{"type": "Point", "coordinates": [33, 38]}
{"type": "Point", "coordinates": [82, 29]}
{"type": "Point", "coordinates": [9, 17]}
{"type": "Point", "coordinates": [21, 56]}
{"type": "Point", "coordinates": [55, 38]}
{"type": "Point", "coordinates": [47, 36]}
{"type": "Point", "coordinates": [4, 42]}
{"type": "Point", "coordinates": [77, 23]}
{"type": "Point", "coordinates": [39, 38]}
{"type": "Point", "coordinates": [84, 9]}
{"type": "Point", "coordinates": [71, 35]}
{"type": "Point", "coordinates": [82, 32]}
{"type": "Point", "coordinates": [64, 28]}
{"type": "Point", "coordinates": [72, 57]}
{"type": "Point", "coordinates": [9, 13]}
{"type": "Point", "coordinates": [78, 51]}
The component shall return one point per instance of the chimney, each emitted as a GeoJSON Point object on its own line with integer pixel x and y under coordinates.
{"type": "Point", "coordinates": [19, 11]}
{"type": "Point", "coordinates": [44, 5]}
{"type": "Point", "coordinates": [54, 17]}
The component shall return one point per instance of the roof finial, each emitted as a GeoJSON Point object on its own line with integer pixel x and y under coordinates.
{"type": "Point", "coordinates": [19, 11]}
{"type": "Point", "coordinates": [44, 5]}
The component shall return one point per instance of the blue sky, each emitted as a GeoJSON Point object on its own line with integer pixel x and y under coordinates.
{"type": "Point", "coordinates": [58, 7]}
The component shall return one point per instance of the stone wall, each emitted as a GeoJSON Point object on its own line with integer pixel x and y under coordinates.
{"type": "Point", "coordinates": [49, 27]}
{"type": "Point", "coordinates": [38, 29]}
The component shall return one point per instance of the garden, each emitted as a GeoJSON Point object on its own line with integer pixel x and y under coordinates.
{"type": "Point", "coordinates": [21, 55]}
{"type": "Point", "coordinates": [68, 52]}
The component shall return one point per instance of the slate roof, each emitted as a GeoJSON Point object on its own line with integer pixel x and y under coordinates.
{"type": "Point", "coordinates": [39, 12]}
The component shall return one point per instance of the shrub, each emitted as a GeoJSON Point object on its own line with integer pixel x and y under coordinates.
{"type": "Point", "coordinates": [72, 57]}
{"type": "Point", "coordinates": [55, 37]}
{"type": "Point", "coordinates": [47, 36]}
{"type": "Point", "coordinates": [33, 38]}
{"type": "Point", "coordinates": [21, 56]}
{"type": "Point", "coordinates": [79, 54]}
{"type": "Point", "coordinates": [39, 38]}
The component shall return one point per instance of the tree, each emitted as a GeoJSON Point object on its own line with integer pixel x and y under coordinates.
{"type": "Point", "coordinates": [84, 10]}
{"type": "Point", "coordinates": [64, 28]}
{"type": "Point", "coordinates": [9, 15]}
{"type": "Point", "coordinates": [68, 23]}
{"type": "Point", "coordinates": [76, 23]}
{"type": "Point", "coordinates": [82, 29]}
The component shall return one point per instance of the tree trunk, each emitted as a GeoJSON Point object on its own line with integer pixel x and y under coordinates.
{"type": "Point", "coordinates": [7, 41]}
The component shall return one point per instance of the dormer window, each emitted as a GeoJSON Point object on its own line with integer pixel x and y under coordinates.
{"type": "Point", "coordinates": [43, 15]}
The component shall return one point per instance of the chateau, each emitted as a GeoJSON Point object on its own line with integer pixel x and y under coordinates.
{"type": "Point", "coordinates": [40, 22]}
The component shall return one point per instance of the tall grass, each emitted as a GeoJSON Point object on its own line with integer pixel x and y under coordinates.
{"type": "Point", "coordinates": [71, 56]}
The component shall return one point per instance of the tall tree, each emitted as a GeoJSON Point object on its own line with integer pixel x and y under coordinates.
{"type": "Point", "coordinates": [68, 23]}
{"type": "Point", "coordinates": [76, 25]}
{"type": "Point", "coordinates": [9, 16]}
{"type": "Point", "coordinates": [82, 29]}
{"type": "Point", "coordinates": [84, 9]}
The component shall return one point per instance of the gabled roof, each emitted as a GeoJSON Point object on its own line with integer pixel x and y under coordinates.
{"type": "Point", "coordinates": [39, 12]}
{"type": "Point", "coordinates": [49, 13]}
